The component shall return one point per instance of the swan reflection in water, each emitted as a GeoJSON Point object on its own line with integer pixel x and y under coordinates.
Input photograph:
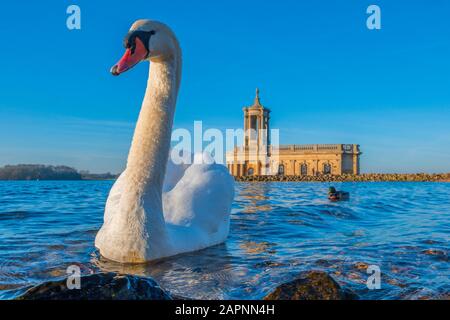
{"type": "Point", "coordinates": [208, 271]}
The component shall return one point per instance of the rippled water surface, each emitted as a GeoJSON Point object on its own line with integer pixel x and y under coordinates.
{"type": "Point", "coordinates": [277, 230]}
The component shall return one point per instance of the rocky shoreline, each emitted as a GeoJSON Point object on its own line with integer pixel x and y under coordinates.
{"type": "Point", "coordinates": [368, 177]}
{"type": "Point", "coordinates": [308, 285]}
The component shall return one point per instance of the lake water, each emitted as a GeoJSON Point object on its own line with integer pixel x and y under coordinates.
{"type": "Point", "coordinates": [277, 230]}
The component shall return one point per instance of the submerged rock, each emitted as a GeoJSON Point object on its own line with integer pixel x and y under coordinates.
{"type": "Point", "coordinates": [361, 266]}
{"type": "Point", "coordinates": [311, 285]}
{"type": "Point", "coordinates": [438, 254]}
{"type": "Point", "coordinates": [102, 286]}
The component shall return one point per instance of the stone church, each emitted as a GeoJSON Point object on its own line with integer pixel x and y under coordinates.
{"type": "Point", "coordinates": [258, 157]}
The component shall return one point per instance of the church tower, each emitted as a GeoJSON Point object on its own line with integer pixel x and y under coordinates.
{"type": "Point", "coordinates": [256, 127]}
{"type": "Point", "coordinates": [256, 138]}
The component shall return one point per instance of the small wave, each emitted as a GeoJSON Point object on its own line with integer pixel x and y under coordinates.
{"type": "Point", "coordinates": [18, 215]}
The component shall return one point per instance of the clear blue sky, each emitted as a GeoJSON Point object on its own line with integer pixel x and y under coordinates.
{"type": "Point", "coordinates": [326, 77]}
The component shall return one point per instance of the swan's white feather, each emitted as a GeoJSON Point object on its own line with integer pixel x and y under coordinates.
{"type": "Point", "coordinates": [152, 213]}
{"type": "Point", "coordinates": [196, 204]}
{"type": "Point", "coordinates": [201, 198]}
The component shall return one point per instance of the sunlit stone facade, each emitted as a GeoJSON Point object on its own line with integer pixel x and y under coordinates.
{"type": "Point", "coordinates": [258, 156]}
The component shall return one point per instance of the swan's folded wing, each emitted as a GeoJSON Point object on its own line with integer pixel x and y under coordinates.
{"type": "Point", "coordinates": [112, 203]}
{"type": "Point", "coordinates": [174, 173]}
{"type": "Point", "coordinates": [201, 199]}
{"type": "Point", "coordinates": [111, 208]}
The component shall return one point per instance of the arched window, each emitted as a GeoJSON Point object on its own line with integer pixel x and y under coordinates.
{"type": "Point", "coordinates": [304, 169]}
{"type": "Point", "coordinates": [326, 168]}
{"type": "Point", "coordinates": [250, 172]}
{"type": "Point", "coordinates": [281, 169]}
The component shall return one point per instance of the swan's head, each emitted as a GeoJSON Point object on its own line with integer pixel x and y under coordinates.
{"type": "Point", "coordinates": [147, 40]}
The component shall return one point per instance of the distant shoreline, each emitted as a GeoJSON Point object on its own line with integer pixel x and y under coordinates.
{"type": "Point", "coordinates": [34, 172]}
{"type": "Point", "coordinates": [38, 172]}
{"type": "Point", "coordinates": [368, 177]}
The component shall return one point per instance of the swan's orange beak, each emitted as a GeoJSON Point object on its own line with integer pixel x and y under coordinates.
{"type": "Point", "coordinates": [130, 59]}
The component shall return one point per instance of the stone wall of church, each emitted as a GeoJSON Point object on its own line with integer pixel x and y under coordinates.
{"type": "Point", "coordinates": [297, 164]}
{"type": "Point", "coordinates": [309, 164]}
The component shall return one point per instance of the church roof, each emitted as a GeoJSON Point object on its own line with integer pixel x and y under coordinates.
{"type": "Point", "coordinates": [257, 102]}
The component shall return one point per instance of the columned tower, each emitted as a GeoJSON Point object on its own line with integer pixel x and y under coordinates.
{"type": "Point", "coordinates": [256, 138]}
{"type": "Point", "coordinates": [256, 126]}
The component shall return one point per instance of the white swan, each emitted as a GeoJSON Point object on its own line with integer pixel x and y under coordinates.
{"type": "Point", "coordinates": [141, 222]}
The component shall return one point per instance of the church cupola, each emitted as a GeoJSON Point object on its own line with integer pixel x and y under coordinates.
{"type": "Point", "coordinates": [256, 126]}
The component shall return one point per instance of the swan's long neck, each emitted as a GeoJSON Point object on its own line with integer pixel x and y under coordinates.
{"type": "Point", "coordinates": [141, 202]}
{"type": "Point", "coordinates": [151, 141]}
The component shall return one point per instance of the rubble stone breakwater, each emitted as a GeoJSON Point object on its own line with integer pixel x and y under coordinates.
{"type": "Point", "coordinates": [368, 177]}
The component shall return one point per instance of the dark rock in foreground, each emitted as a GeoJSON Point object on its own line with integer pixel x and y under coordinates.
{"type": "Point", "coordinates": [311, 285]}
{"type": "Point", "coordinates": [102, 286]}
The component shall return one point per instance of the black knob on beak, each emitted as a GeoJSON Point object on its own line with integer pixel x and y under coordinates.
{"type": "Point", "coordinates": [114, 71]}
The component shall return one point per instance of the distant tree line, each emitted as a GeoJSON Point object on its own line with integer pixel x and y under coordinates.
{"type": "Point", "coordinates": [44, 172]}
{"type": "Point", "coordinates": [85, 175]}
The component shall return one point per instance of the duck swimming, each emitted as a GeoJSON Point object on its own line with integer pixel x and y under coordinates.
{"type": "Point", "coordinates": [334, 195]}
